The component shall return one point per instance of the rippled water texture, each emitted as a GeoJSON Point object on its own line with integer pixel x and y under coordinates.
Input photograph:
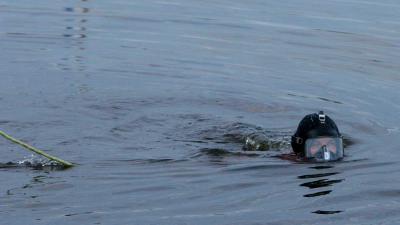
{"type": "Point", "coordinates": [153, 98]}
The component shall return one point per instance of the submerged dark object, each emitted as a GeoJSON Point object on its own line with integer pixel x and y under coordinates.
{"type": "Point", "coordinates": [35, 165]}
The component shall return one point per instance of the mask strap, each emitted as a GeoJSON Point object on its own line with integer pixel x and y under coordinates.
{"type": "Point", "coordinates": [297, 140]}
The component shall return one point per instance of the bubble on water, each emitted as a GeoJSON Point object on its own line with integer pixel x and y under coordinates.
{"type": "Point", "coordinates": [37, 162]}
{"type": "Point", "coordinates": [30, 160]}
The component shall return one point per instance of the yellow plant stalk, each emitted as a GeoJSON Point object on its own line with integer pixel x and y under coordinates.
{"type": "Point", "coordinates": [33, 149]}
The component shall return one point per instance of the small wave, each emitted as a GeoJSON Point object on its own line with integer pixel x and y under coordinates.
{"type": "Point", "coordinates": [320, 193]}
{"type": "Point", "coordinates": [223, 152]}
{"type": "Point", "coordinates": [327, 212]}
{"type": "Point", "coordinates": [245, 134]}
{"type": "Point", "coordinates": [33, 162]}
{"type": "Point", "coordinates": [320, 183]}
{"type": "Point", "coordinates": [307, 176]}
{"type": "Point", "coordinates": [261, 142]}
{"type": "Point", "coordinates": [140, 161]}
{"type": "Point", "coordinates": [257, 167]}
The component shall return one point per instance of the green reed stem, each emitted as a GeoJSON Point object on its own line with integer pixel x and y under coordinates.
{"type": "Point", "coordinates": [33, 149]}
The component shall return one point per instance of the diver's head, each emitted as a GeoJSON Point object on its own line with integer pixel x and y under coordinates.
{"type": "Point", "coordinates": [317, 138]}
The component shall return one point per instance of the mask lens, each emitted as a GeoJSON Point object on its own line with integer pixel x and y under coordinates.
{"type": "Point", "coordinates": [324, 148]}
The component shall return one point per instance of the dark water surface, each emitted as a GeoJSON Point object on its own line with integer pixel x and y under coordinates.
{"type": "Point", "coordinates": [150, 97]}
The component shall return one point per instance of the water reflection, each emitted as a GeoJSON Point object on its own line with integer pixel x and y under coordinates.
{"type": "Point", "coordinates": [77, 9]}
{"type": "Point", "coordinates": [75, 34]}
{"type": "Point", "coordinates": [320, 183]}
{"type": "Point", "coordinates": [30, 196]}
{"type": "Point", "coordinates": [36, 180]}
{"type": "Point", "coordinates": [323, 212]}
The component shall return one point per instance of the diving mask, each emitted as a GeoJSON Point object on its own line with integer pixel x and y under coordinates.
{"type": "Point", "coordinates": [323, 149]}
